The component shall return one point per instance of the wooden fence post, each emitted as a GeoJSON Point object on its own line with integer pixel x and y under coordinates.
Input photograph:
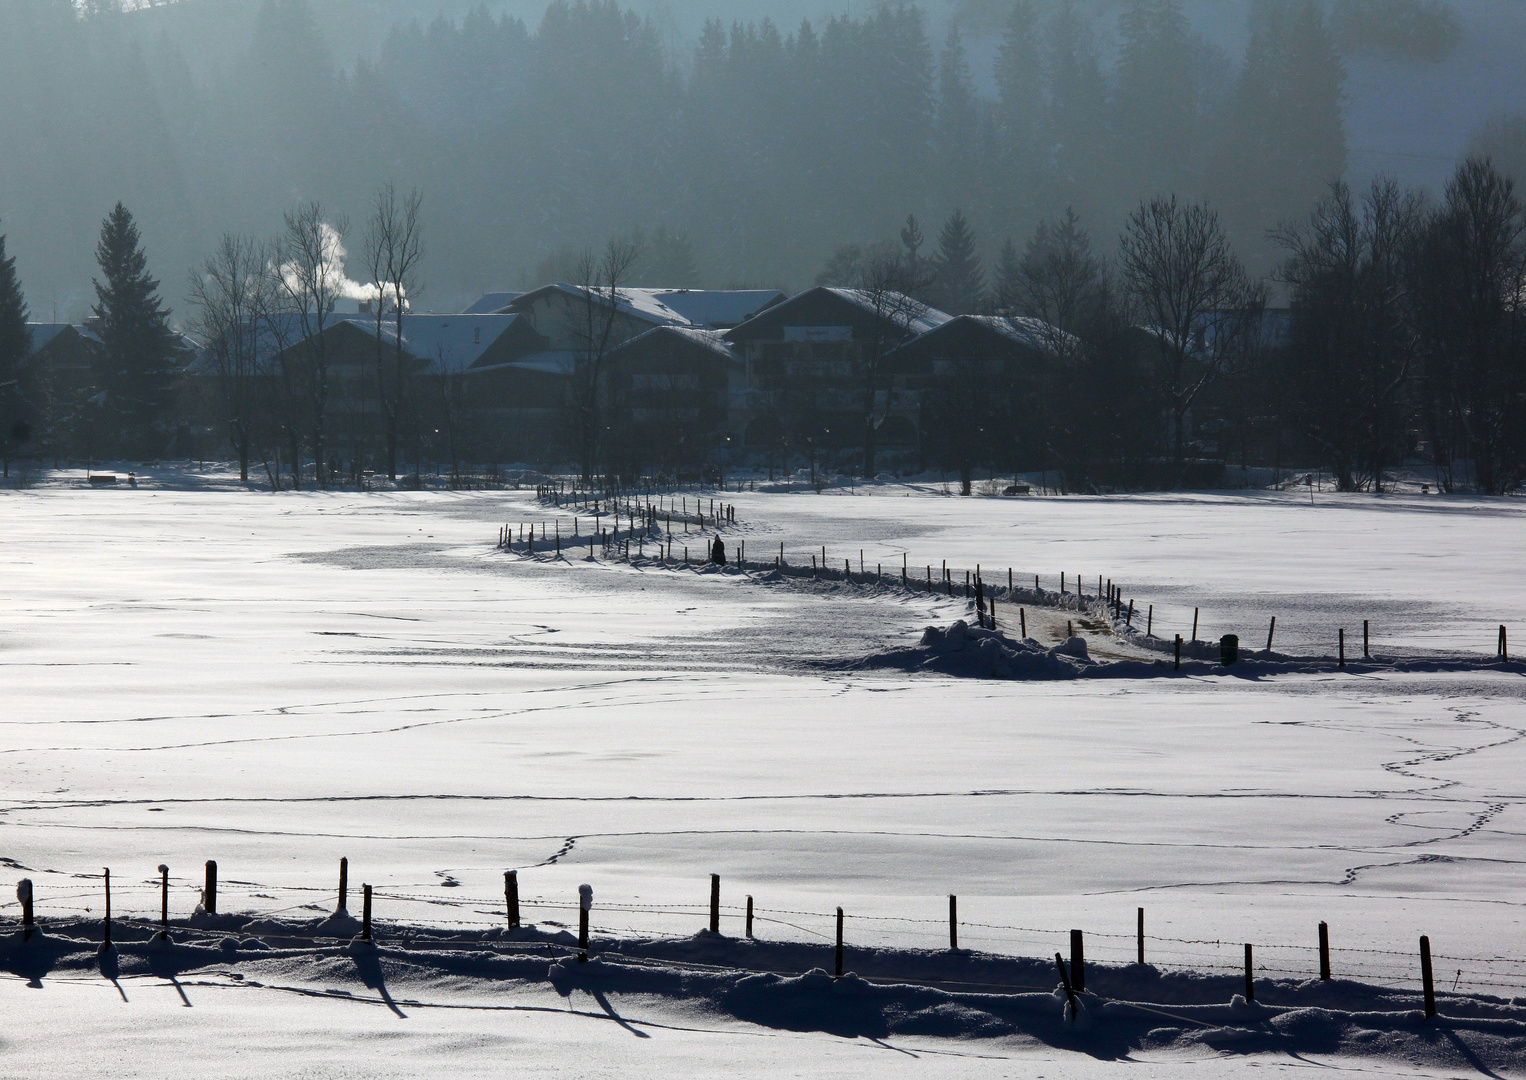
{"type": "Point", "coordinates": [1366, 645]}
{"type": "Point", "coordinates": [1194, 624]}
{"type": "Point", "coordinates": [1250, 978]}
{"type": "Point", "coordinates": [1022, 621]}
{"type": "Point", "coordinates": [1425, 977]}
{"type": "Point", "coordinates": [839, 943]}
{"type": "Point", "coordinates": [24, 894]}
{"type": "Point", "coordinates": [164, 902]}
{"type": "Point", "coordinates": [365, 913]}
{"type": "Point", "coordinates": [1342, 647]}
{"type": "Point", "coordinates": [209, 891]}
{"type": "Point", "coordinates": [1150, 622]}
{"type": "Point", "coordinates": [585, 902]}
{"type": "Point", "coordinates": [1139, 935]}
{"type": "Point", "coordinates": [953, 922]}
{"type": "Point", "coordinates": [1178, 666]}
{"type": "Point", "coordinates": [749, 916]}
{"type": "Point", "coordinates": [1070, 993]}
{"type": "Point", "coordinates": [344, 887]}
{"type": "Point", "coordinates": [511, 897]}
{"type": "Point", "coordinates": [715, 903]}
{"type": "Point", "coordinates": [1077, 962]}
{"type": "Point", "coordinates": [1324, 950]}
{"type": "Point", "coordinates": [1270, 630]}
{"type": "Point", "coordinates": [106, 921]}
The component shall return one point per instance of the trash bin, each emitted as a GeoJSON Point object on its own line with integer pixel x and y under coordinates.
{"type": "Point", "coordinates": [1229, 649]}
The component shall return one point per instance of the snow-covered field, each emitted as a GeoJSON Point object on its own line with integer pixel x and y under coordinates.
{"type": "Point", "coordinates": [275, 681]}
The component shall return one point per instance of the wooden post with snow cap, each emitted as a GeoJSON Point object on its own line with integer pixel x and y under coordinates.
{"type": "Point", "coordinates": [1250, 977]}
{"type": "Point", "coordinates": [1324, 950]}
{"type": "Point", "coordinates": [1077, 962]}
{"type": "Point", "coordinates": [953, 922]}
{"type": "Point", "coordinates": [839, 943]}
{"type": "Point", "coordinates": [365, 913]}
{"type": "Point", "coordinates": [24, 895]}
{"type": "Point", "coordinates": [209, 890]}
{"type": "Point", "coordinates": [511, 897]}
{"type": "Point", "coordinates": [344, 887]}
{"type": "Point", "coordinates": [585, 903]}
{"type": "Point", "coordinates": [715, 903]}
{"type": "Point", "coordinates": [1428, 984]}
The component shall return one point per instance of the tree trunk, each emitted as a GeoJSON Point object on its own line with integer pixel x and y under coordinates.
{"type": "Point", "coordinates": [965, 480]}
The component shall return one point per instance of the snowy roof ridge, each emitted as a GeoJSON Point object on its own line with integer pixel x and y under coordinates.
{"type": "Point", "coordinates": [698, 308]}
{"type": "Point", "coordinates": [920, 317]}
{"type": "Point", "coordinates": [1026, 330]}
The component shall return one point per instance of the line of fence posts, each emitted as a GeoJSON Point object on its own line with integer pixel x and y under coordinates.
{"type": "Point", "coordinates": [1073, 979]}
{"type": "Point", "coordinates": [1107, 590]}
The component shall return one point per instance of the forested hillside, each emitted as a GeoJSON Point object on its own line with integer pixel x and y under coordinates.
{"type": "Point", "coordinates": [767, 143]}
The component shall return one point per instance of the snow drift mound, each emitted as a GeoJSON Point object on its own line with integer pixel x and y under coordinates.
{"type": "Point", "coordinates": [985, 654]}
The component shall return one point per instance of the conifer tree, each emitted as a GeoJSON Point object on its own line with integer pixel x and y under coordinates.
{"type": "Point", "coordinates": [911, 250]}
{"type": "Point", "coordinates": [15, 346]}
{"type": "Point", "coordinates": [960, 281]}
{"type": "Point", "coordinates": [1007, 278]}
{"type": "Point", "coordinates": [1019, 76]}
{"type": "Point", "coordinates": [139, 360]}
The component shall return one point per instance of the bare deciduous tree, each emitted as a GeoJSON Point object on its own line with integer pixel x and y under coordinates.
{"type": "Point", "coordinates": [394, 247]}
{"type": "Point", "coordinates": [1190, 288]}
{"type": "Point", "coordinates": [594, 317]}
{"type": "Point", "coordinates": [1353, 339]}
{"type": "Point", "coordinates": [1473, 324]}
{"type": "Point", "coordinates": [230, 293]}
{"type": "Point", "coordinates": [310, 274]}
{"type": "Point", "coordinates": [886, 286]}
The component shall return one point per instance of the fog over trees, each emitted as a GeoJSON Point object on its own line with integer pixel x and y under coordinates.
{"type": "Point", "coordinates": [749, 150]}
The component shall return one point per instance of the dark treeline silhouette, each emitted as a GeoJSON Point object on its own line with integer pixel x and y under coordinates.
{"type": "Point", "coordinates": [761, 147]}
{"type": "Point", "coordinates": [1153, 361]}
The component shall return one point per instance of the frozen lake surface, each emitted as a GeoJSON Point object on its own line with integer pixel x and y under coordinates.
{"type": "Point", "coordinates": [278, 681]}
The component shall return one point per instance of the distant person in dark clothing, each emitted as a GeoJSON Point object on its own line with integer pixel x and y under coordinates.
{"type": "Point", "coordinates": [718, 552]}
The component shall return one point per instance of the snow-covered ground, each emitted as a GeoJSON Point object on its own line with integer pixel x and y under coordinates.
{"type": "Point", "coordinates": [276, 681]}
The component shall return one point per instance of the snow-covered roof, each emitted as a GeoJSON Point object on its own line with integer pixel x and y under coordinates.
{"type": "Point", "coordinates": [717, 309]}
{"type": "Point", "coordinates": [704, 308]}
{"type": "Point", "coordinates": [713, 340]}
{"type": "Point", "coordinates": [898, 306]}
{"type": "Point", "coordinates": [1035, 333]}
{"type": "Point", "coordinates": [550, 362]}
{"type": "Point", "coordinates": [44, 333]}
{"type": "Point", "coordinates": [444, 342]}
{"type": "Point", "coordinates": [450, 342]}
{"type": "Point", "coordinates": [492, 302]}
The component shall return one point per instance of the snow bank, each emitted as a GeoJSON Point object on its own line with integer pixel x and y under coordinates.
{"type": "Point", "coordinates": [784, 986]}
{"type": "Point", "coordinates": [986, 654]}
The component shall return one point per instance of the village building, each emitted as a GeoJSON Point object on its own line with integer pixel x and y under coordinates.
{"type": "Point", "coordinates": [586, 321]}
{"type": "Point", "coordinates": [810, 363]}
